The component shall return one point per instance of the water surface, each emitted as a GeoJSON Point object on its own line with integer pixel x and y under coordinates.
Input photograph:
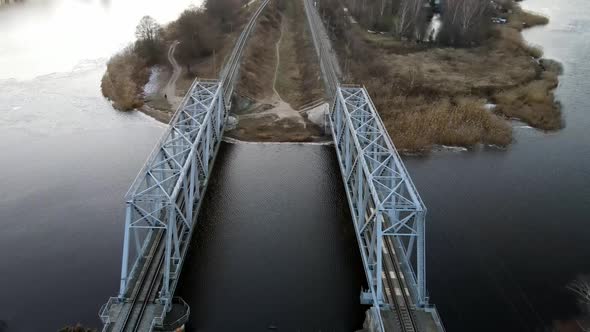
{"type": "Point", "coordinates": [275, 245]}
{"type": "Point", "coordinates": [507, 230]}
{"type": "Point", "coordinates": [67, 158]}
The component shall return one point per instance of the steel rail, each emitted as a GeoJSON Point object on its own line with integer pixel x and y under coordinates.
{"type": "Point", "coordinates": [406, 318]}
{"type": "Point", "coordinates": [158, 243]}
{"type": "Point", "coordinates": [156, 276]}
{"type": "Point", "coordinates": [230, 70]}
{"type": "Point", "coordinates": [148, 297]}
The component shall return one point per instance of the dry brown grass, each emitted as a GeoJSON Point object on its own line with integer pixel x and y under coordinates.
{"type": "Point", "coordinates": [124, 79]}
{"type": "Point", "coordinates": [420, 109]}
{"type": "Point", "coordinates": [521, 19]}
{"type": "Point", "coordinates": [533, 103]}
{"type": "Point", "coordinates": [258, 66]}
{"type": "Point", "coordinates": [298, 80]}
{"type": "Point", "coordinates": [511, 41]}
{"type": "Point", "coordinates": [431, 95]}
{"type": "Point", "coordinates": [417, 123]}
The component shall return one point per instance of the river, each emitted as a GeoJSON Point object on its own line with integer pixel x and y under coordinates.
{"type": "Point", "coordinates": [68, 158]}
{"type": "Point", "coordinates": [506, 229]}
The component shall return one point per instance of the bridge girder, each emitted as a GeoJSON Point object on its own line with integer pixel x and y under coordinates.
{"type": "Point", "coordinates": [381, 195]}
{"type": "Point", "coordinates": [168, 190]}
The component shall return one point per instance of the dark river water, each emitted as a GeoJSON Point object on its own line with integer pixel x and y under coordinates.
{"type": "Point", "coordinates": [507, 230]}
{"type": "Point", "coordinates": [274, 245]}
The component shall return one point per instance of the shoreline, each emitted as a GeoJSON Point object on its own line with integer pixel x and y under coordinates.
{"type": "Point", "coordinates": [447, 107]}
{"type": "Point", "coordinates": [131, 69]}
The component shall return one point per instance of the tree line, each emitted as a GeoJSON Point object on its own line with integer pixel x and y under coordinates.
{"type": "Point", "coordinates": [198, 29]}
{"type": "Point", "coordinates": [464, 22]}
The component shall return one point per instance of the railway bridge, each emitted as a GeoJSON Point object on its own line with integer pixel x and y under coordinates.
{"type": "Point", "coordinates": [162, 204]}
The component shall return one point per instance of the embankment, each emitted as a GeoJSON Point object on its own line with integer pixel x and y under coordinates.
{"type": "Point", "coordinates": [279, 75]}
{"type": "Point", "coordinates": [205, 36]}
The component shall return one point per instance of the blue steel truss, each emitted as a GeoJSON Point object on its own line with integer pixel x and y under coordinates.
{"type": "Point", "coordinates": [381, 195]}
{"type": "Point", "coordinates": [167, 191]}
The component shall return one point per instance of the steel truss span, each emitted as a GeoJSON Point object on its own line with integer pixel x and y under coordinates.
{"type": "Point", "coordinates": [168, 190]}
{"type": "Point", "coordinates": [381, 195]}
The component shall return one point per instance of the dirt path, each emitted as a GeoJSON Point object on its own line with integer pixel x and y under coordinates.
{"type": "Point", "coordinates": [278, 47]}
{"type": "Point", "coordinates": [281, 109]}
{"type": "Point", "coordinates": [170, 90]}
{"type": "Point", "coordinates": [268, 117]}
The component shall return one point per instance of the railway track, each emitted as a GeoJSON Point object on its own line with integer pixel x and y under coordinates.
{"type": "Point", "coordinates": [394, 281]}
{"type": "Point", "coordinates": [142, 296]}
{"type": "Point", "coordinates": [145, 296]}
{"type": "Point", "coordinates": [229, 72]}
{"type": "Point", "coordinates": [328, 62]}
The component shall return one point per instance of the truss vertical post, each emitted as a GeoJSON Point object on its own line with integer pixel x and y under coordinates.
{"type": "Point", "coordinates": [165, 291]}
{"type": "Point", "coordinates": [379, 254]}
{"type": "Point", "coordinates": [191, 192]}
{"type": "Point", "coordinates": [125, 262]}
{"type": "Point", "coordinates": [421, 259]}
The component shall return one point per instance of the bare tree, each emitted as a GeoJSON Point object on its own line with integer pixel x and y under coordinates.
{"type": "Point", "coordinates": [148, 29]}
{"type": "Point", "coordinates": [467, 13]}
{"type": "Point", "coordinates": [581, 288]}
{"type": "Point", "coordinates": [198, 34]}
{"type": "Point", "coordinates": [149, 43]}
{"type": "Point", "coordinates": [410, 21]}
{"type": "Point", "coordinates": [464, 22]}
{"type": "Point", "coordinates": [223, 10]}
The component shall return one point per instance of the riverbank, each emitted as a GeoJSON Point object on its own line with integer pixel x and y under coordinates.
{"type": "Point", "coordinates": [429, 95]}
{"type": "Point", "coordinates": [154, 73]}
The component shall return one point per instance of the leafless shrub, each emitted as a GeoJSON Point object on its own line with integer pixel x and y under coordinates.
{"type": "Point", "coordinates": [125, 76]}
{"type": "Point", "coordinates": [581, 288]}
{"type": "Point", "coordinates": [77, 328]}
{"type": "Point", "coordinates": [410, 21]}
{"type": "Point", "coordinates": [464, 22]}
{"type": "Point", "coordinates": [533, 103]}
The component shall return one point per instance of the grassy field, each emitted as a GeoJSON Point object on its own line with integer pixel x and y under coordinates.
{"type": "Point", "coordinates": [429, 95]}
